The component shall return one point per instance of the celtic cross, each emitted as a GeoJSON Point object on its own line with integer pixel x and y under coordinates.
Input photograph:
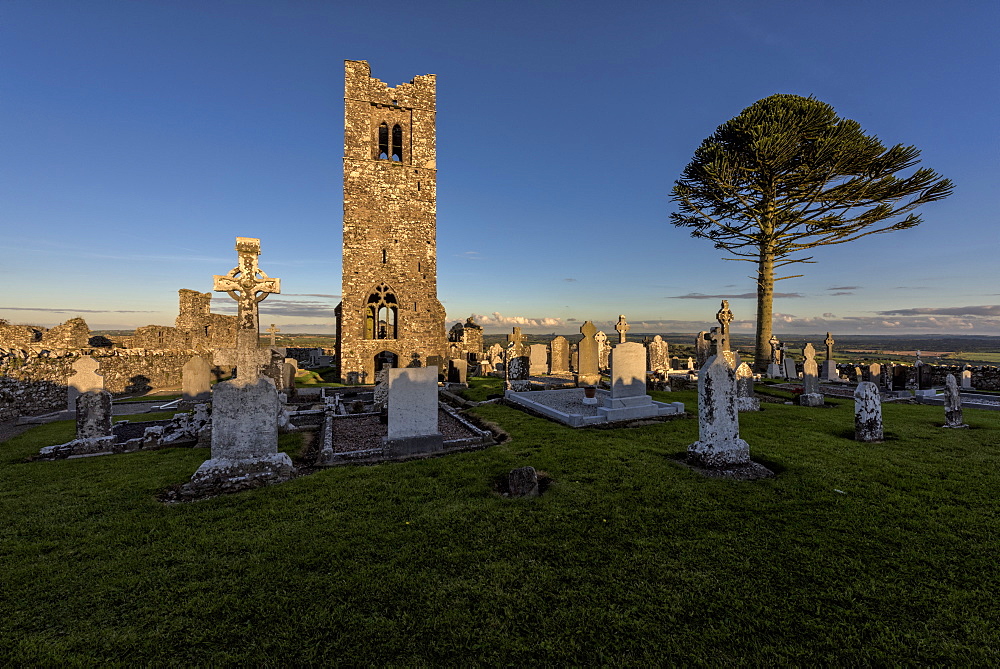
{"type": "Point", "coordinates": [247, 284]}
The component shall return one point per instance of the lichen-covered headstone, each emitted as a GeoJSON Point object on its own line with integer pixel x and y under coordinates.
{"type": "Point", "coordinates": [559, 355]}
{"type": "Point", "coordinates": [93, 427]}
{"type": "Point", "coordinates": [811, 396]}
{"type": "Point", "coordinates": [952, 403]}
{"type": "Point", "coordinates": [522, 482]}
{"type": "Point", "coordinates": [381, 393]}
{"type": "Point", "coordinates": [719, 443]}
{"type": "Point", "coordinates": [745, 400]}
{"type": "Point", "coordinates": [657, 354]}
{"type": "Point", "coordinates": [867, 413]}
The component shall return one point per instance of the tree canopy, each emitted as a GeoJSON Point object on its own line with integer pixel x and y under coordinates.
{"type": "Point", "coordinates": [788, 175]}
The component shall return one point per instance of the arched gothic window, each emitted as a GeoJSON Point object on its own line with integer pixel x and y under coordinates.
{"type": "Point", "coordinates": [381, 314]}
{"type": "Point", "coordinates": [383, 141]}
{"type": "Point", "coordinates": [397, 143]}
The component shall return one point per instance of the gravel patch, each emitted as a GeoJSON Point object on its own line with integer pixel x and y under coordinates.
{"type": "Point", "coordinates": [365, 431]}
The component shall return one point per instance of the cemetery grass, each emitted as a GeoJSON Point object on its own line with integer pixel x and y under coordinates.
{"type": "Point", "coordinates": [854, 554]}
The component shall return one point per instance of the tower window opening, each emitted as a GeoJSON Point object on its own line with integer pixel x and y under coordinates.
{"type": "Point", "coordinates": [383, 141]}
{"type": "Point", "coordinates": [397, 143]}
{"type": "Point", "coordinates": [381, 314]}
{"type": "Point", "coordinates": [385, 256]}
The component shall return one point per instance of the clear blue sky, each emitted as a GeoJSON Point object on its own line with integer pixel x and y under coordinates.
{"type": "Point", "coordinates": [141, 138]}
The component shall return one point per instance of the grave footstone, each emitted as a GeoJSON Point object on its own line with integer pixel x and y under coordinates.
{"type": "Point", "coordinates": [811, 396]}
{"type": "Point", "coordinates": [719, 443]}
{"type": "Point", "coordinates": [413, 412]}
{"type": "Point", "coordinates": [196, 379]}
{"type": "Point", "coordinates": [867, 413]}
{"type": "Point", "coordinates": [745, 399]}
{"type": "Point", "coordinates": [559, 356]}
{"type": "Point", "coordinates": [952, 403]}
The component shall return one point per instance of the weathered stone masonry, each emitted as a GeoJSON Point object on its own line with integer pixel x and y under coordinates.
{"type": "Point", "coordinates": [389, 308]}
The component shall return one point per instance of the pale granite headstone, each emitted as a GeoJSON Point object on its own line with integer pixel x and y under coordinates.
{"type": "Point", "coordinates": [413, 411]}
{"type": "Point", "coordinates": [196, 379]}
{"type": "Point", "coordinates": [719, 443]}
{"type": "Point", "coordinates": [559, 355]}
{"type": "Point", "coordinates": [952, 403]}
{"type": "Point", "coordinates": [867, 412]}
{"type": "Point", "coordinates": [539, 359]}
{"type": "Point", "coordinates": [745, 399]}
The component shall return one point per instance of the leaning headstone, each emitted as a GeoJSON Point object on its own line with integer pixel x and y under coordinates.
{"type": "Point", "coordinates": [867, 412]}
{"type": "Point", "coordinates": [538, 356]}
{"type": "Point", "coordinates": [196, 379]}
{"type": "Point", "coordinates": [952, 403]}
{"type": "Point", "coordinates": [657, 354]}
{"type": "Point", "coordinates": [719, 443]}
{"type": "Point", "coordinates": [86, 378]}
{"type": "Point", "coordinates": [603, 351]}
{"type": "Point", "coordinates": [587, 373]}
{"type": "Point", "coordinates": [522, 482]}
{"type": "Point", "coordinates": [745, 399]}
{"type": "Point", "coordinates": [413, 412]}
{"type": "Point", "coordinates": [811, 396]}
{"type": "Point", "coordinates": [829, 365]}
{"type": "Point", "coordinates": [559, 356]}
{"type": "Point", "coordinates": [458, 371]}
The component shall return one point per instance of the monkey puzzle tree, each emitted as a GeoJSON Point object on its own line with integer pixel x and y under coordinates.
{"type": "Point", "coordinates": [787, 175]}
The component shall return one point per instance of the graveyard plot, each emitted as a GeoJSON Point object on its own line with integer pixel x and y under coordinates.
{"type": "Point", "coordinates": [857, 554]}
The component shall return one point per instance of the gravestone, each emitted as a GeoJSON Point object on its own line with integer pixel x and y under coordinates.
{"type": "Point", "coordinates": [788, 365]}
{"type": "Point", "coordinates": [657, 355]}
{"type": "Point", "coordinates": [458, 371]}
{"type": "Point", "coordinates": [622, 327]}
{"type": "Point", "coordinates": [811, 396]}
{"type": "Point", "coordinates": [273, 331]}
{"type": "Point", "coordinates": [559, 356]}
{"type": "Point", "coordinates": [380, 395]}
{"type": "Point", "coordinates": [899, 377]}
{"type": "Point", "coordinates": [413, 412]}
{"type": "Point", "coordinates": [86, 378]}
{"type": "Point", "coordinates": [538, 356]}
{"type": "Point", "coordinates": [690, 364]}
{"type": "Point", "coordinates": [702, 343]}
{"type": "Point", "coordinates": [196, 379]}
{"type": "Point", "coordinates": [774, 368]}
{"type": "Point", "coordinates": [522, 482]}
{"type": "Point", "coordinates": [574, 358]}
{"type": "Point", "coordinates": [603, 351]}
{"type": "Point", "coordinates": [867, 413]}
{"type": "Point", "coordinates": [675, 362]}
{"type": "Point", "coordinates": [745, 400]}
{"type": "Point", "coordinates": [587, 372]}
{"type": "Point", "coordinates": [628, 398]}
{"type": "Point", "coordinates": [829, 365]}
{"type": "Point", "coordinates": [516, 340]}
{"type": "Point", "coordinates": [724, 316]}
{"type": "Point", "coordinates": [719, 443]}
{"type": "Point", "coordinates": [873, 374]}
{"type": "Point", "coordinates": [952, 403]}
{"type": "Point", "coordinates": [517, 370]}
{"type": "Point", "coordinates": [288, 379]}
{"type": "Point", "coordinates": [246, 409]}
{"type": "Point", "coordinates": [967, 379]}
{"type": "Point", "coordinates": [93, 427]}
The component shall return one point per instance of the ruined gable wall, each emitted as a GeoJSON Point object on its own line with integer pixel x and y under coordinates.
{"type": "Point", "coordinates": [74, 333]}
{"type": "Point", "coordinates": [15, 336]}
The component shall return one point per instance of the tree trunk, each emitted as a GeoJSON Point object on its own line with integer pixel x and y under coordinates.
{"type": "Point", "coordinates": [765, 299]}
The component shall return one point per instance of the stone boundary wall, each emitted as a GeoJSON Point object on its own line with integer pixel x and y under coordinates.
{"type": "Point", "coordinates": [984, 377]}
{"type": "Point", "coordinates": [34, 382]}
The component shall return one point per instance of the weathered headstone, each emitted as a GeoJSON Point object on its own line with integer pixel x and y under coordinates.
{"type": "Point", "coordinates": [829, 365]}
{"type": "Point", "coordinates": [774, 368]}
{"type": "Point", "coordinates": [247, 284]}
{"type": "Point", "coordinates": [93, 427]}
{"type": "Point", "coordinates": [381, 394]}
{"type": "Point", "coordinates": [966, 379]}
{"type": "Point", "coordinates": [86, 378]}
{"type": "Point", "coordinates": [587, 373]}
{"type": "Point", "coordinates": [559, 355]}
{"type": "Point", "coordinates": [603, 351]}
{"type": "Point", "coordinates": [657, 354]}
{"type": "Point", "coordinates": [811, 396]}
{"type": "Point", "coordinates": [288, 378]}
{"type": "Point", "coordinates": [522, 482]}
{"type": "Point", "coordinates": [952, 403]}
{"type": "Point", "coordinates": [538, 355]}
{"type": "Point", "coordinates": [725, 316]}
{"type": "Point", "coordinates": [788, 365]}
{"type": "Point", "coordinates": [574, 358]}
{"type": "Point", "coordinates": [413, 412]}
{"type": "Point", "coordinates": [196, 379]}
{"type": "Point", "coordinates": [745, 399]}
{"type": "Point", "coordinates": [719, 443]}
{"type": "Point", "coordinates": [702, 344]}
{"type": "Point", "coordinates": [622, 327]}
{"type": "Point", "coordinates": [867, 412]}
{"type": "Point", "coordinates": [516, 340]}
{"type": "Point", "coordinates": [517, 370]}
{"type": "Point", "coordinates": [458, 371]}
{"type": "Point", "coordinates": [873, 374]}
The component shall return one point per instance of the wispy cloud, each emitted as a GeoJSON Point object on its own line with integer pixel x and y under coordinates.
{"type": "Point", "coordinates": [276, 306]}
{"type": "Point", "coordinates": [57, 310]}
{"type": "Point", "coordinates": [983, 310]}
{"type": "Point", "coordinates": [470, 255]}
{"type": "Point", "coordinates": [571, 280]}
{"type": "Point", "coordinates": [843, 287]}
{"type": "Point", "coordinates": [741, 296]}
{"type": "Point", "coordinates": [498, 319]}
{"type": "Point", "coordinates": [841, 292]}
{"type": "Point", "coordinates": [331, 297]}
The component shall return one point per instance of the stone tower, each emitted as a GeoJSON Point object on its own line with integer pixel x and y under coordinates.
{"type": "Point", "coordinates": [389, 311]}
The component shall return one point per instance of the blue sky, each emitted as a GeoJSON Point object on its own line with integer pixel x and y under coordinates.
{"type": "Point", "coordinates": [141, 138]}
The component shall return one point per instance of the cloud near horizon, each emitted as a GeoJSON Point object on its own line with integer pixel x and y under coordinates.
{"type": "Point", "coordinates": [981, 310]}
{"type": "Point", "coordinates": [498, 319]}
{"type": "Point", "coordinates": [57, 310]}
{"type": "Point", "coordinates": [741, 296]}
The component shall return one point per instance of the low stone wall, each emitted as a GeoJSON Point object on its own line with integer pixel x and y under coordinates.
{"type": "Point", "coordinates": [984, 377]}
{"type": "Point", "coordinates": [34, 382]}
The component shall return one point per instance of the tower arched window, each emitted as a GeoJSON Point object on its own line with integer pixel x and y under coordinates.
{"type": "Point", "coordinates": [397, 143]}
{"type": "Point", "coordinates": [383, 141]}
{"type": "Point", "coordinates": [381, 314]}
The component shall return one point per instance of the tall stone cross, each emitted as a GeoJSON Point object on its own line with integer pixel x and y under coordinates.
{"type": "Point", "coordinates": [273, 331]}
{"type": "Point", "coordinates": [829, 346]}
{"type": "Point", "coordinates": [247, 357]}
{"type": "Point", "coordinates": [622, 328]}
{"type": "Point", "coordinates": [516, 339]}
{"type": "Point", "coordinates": [247, 284]}
{"type": "Point", "coordinates": [725, 317]}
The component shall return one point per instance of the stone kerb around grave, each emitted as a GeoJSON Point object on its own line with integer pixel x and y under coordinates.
{"type": "Point", "coordinates": [413, 412]}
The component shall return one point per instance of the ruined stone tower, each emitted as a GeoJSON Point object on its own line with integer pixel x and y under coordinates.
{"type": "Point", "coordinates": [389, 311]}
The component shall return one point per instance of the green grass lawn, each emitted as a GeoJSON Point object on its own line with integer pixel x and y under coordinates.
{"type": "Point", "coordinates": [856, 553]}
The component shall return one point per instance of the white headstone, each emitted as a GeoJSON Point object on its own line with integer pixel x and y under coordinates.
{"type": "Point", "coordinates": [413, 411]}
{"type": "Point", "coordinates": [719, 443]}
{"type": "Point", "coordinates": [867, 412]}
{"type": "Point", "coordinates": [745, 400]}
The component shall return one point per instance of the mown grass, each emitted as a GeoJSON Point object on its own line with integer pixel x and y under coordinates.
{"type": "Point", "coordinates": [629, 558]}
